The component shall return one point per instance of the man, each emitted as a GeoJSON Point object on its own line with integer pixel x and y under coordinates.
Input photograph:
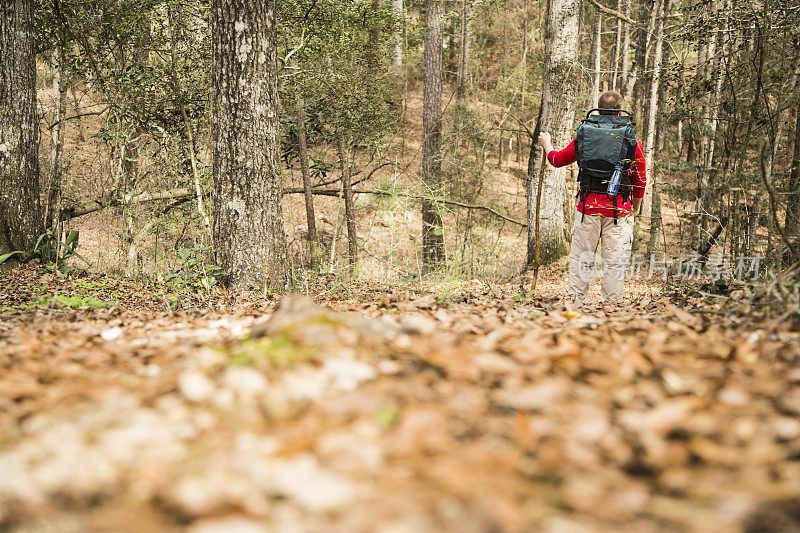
{"type": "Point", "coordinates": [602, 217]}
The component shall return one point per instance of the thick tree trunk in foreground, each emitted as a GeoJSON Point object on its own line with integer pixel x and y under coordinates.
{"type": "Point", "coordinates": [432, 236]}
{"type": "Point", "coordinates": [248, 222]}
{"type": "Point", "coordinates": [559, 86]}
{"type": "Point", "coordinates": [20, 220]}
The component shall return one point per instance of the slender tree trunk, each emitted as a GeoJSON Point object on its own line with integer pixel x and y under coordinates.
{"type": "Point", "coordinates": [656, 127]}
{"type": "Point", "coordinates": [129, 153]}
{"type": "Point", "coordinates": [581, 9]}
{"type": "Point", "coordinates": [300, 110]}
{"type": "Point", "coordinates": [248, 220]}
{"type": "Point", "coordinates": [626, 45]}
{"type": "Point", "coordinates": [463, 80]}
{"type": "Point", "coordinates": [397, 32]}
{"type": "Point", "coordinates": [793, 198]}
{"type": "Point", "coordinates": [635, 83]}
{"type": "Point", "coordinates": [709, 118]}
{"type": "Point", "coordinates": [524, 85]}
{"type": "Point", "coordinates": [433, 253]}
{"type": "Point", "coordinates": [559, 94]}
{"type": "Point", "coordinates": [20, 214]}
{"type": "Point", "coordinates": [523, 91]}
{"type": "Point", "coordinates": [781, 119]}
{"type": "Point", "coordinates": [375, 36]}
{"type": "Point", "coordinates": [652, 108]}
{"type": "Point", "coordinates": [77, 108]}
{"type": "Point", "coordinates": [53, 204]}
{"type": "Point", "coordinates": [343, 146]}
{"type": "Point", "coordinates": [617, 43]}
{"type": "Point", "coordinates": [597, 33]}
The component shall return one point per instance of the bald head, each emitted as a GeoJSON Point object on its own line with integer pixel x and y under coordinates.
{"type": "Point", "coordinates": [610, 100]}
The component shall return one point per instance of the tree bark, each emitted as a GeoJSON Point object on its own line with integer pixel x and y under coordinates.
{"type": "Point", "coordinates": [77, 107]}
{"type": "Point", "coordinates": [559, 94]}
{"type": "Point", "coordinates": [53, 204]}
{"type": "Point", "coordinates": [652, 108]}
{"type": "Point", "coordinates": [634, 83]}
{"type": "Point", "coordinates": [793, 198]}
{"type": "Point", "coordinates": [657, 91]}
{"type": "Point", "coordinates": [597, 32]}
{"type": "Point", "coordinates": [617, 44]}
{"type": "Point", "coordinates": [349, 207]}
{"type": "Point", "coordinates": [20, 207]}
{"type": "Point", "coordinates": [433, 253]}
{"type": "Point", "coordinates": [375, 35]}
{"type": "Point", "coordinates": [248, 221]}
{"type": "Point", "coordinates": [397, 32]}
{"type": "Point", "coordinates": [300, 110]}
{"type": "Point", "coordinates": [626, 44]}
{"type": "Point", "coordinates": [463, 80]}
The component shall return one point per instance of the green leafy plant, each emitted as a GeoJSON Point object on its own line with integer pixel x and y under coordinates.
{"type": "Point", "coordinates": [193, 274]}
{"type": "Point", "coordinates": [74, 301]}
{"type": "Point", "coordinates": [52, 252]}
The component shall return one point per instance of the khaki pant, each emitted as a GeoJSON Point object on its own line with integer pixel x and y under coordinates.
{"type": "Point", "coordinates": [615, 255]}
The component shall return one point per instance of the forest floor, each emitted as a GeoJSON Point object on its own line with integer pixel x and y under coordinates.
{"type": "Point", "coordinates": [453, 407]}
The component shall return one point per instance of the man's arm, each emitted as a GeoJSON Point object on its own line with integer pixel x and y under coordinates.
{"type": "Point", "coordinates": [545, 141]}
{"type": "Point", "coordinates": [560, 158]}
{"type": "Point", "coordinates": [638, 177]}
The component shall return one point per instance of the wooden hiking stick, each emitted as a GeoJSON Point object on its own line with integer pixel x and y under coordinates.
{"type": "Point", "coordinates": [536, 226]}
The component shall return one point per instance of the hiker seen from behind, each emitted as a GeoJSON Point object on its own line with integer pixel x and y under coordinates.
{"type": "Point", "coordinates": [611, 181]}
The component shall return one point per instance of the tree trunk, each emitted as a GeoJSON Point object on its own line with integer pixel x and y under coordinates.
{"type": "Point", "coordinates": [652, 108]}
{"type": "Point", "coordinates": [397, 32]}
{"type": "Point", "coordinates": [248, 220]}
{"type": "Point", "coordinates": [20, 214]}
{"type": "Point", "coordinates": [635, 81]}
{"type": "Point", "coordinates": [375, 35]}
{"type": "Point", "coordinates": [130, 152]}
{"type": "Point", "coordinates": [613, 79]}
{"type": "Point", "coordinates": [300, 109]}
{"type": "Point", "coordinates": [597, 33]}
{"type": "Point", "coordinates": [53, 204]}
{"type": "Point", "coordinates": [349, 207]}
{"type": "Point", "coordinates": [463, 81]}
{"type": "Point", "coordinates": [77, 107]}
{"type": "Point", "coordinates": [658, 88]}
{"type": "Point", "coordinates": [709, 117]}
{"type": "Point", "coordinates": [432, 233]}
{"type": "Point", "coordinates": [793, 198]}
{"type": "Point", "coordinates": [626, 45]}
{"type": "Point", "coordinates": [559, 94]}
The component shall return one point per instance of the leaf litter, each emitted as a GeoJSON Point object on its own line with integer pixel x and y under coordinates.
{"type": "Point", "coordinates": [389, 409]}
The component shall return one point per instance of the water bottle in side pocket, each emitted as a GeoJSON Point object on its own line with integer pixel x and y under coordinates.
{"type": "Point", "coordinates": [613, 183]}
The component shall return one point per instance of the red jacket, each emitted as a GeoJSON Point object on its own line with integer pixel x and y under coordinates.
{"type": "Point", "coordinates": [599, 203]}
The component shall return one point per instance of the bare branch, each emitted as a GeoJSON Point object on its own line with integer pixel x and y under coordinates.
{"type": "Point", "coordinates": [613, 12]}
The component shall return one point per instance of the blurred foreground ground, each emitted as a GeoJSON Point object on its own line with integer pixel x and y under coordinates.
{"type": "Point", "coordinates": [393, 409]}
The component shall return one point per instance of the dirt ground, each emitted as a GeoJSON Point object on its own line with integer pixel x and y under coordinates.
{"type": "Point", "coordinates": [447, 407]}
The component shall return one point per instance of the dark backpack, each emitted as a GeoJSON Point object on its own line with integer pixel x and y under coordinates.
{"type": "Point", "coordinates": [602, 142]}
